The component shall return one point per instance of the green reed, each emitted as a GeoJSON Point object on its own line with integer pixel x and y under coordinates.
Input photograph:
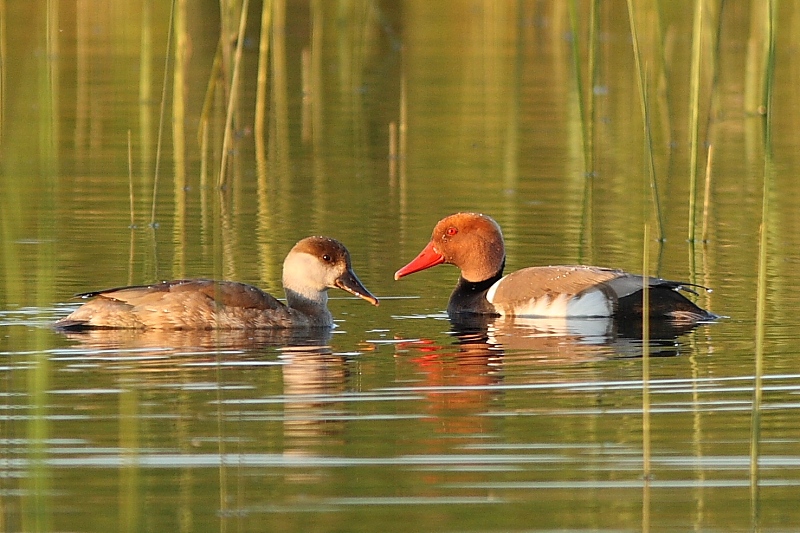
{"type": "Point", "coordinates": [3, 63]}
{"type": "Point", "coordinates": [694, 111]}
{"type": "Point", "coordinates": [768, 75]}
{"type": "Point", "coordinates": [641, 78]}
{"type": "Point", "coordinates": [262, 71]}
{"type": "Point", "coordinates": [264, 220]}
{"type": "Point", "coordinates": [646, 439]}
{"type": "Point", "coordinates": [707, 192]}
{"type": "Point", "coordinates": [591, 68]}
{"type": "Point", "coordinates": [36, 505]}
{"type": "Point", "coordinates": [662, 79]}
{"type": "Point", "coordinates": [279, 102]}
{"type": "Point", "coordinates": [179, 76]}
{"type": "Point", "coordinates": [11, 230]}
{"type": "Point", "coordinates": [711, 65]}
{"type": "Point", "coordinates": [585, 111]}
{"type": "Point", "coordinates": [132, 210]}
{"type": "Point", "coordinates": [145, 88]}
{"type": "Point", "coordinates": [142, 178]}
{"type": "Point", "coordinates": [763, 252]}
{"type": "Point", "coordinates": [646, 466]}
{"type": "Point", "coordinates": [755, 87]}
{"type": "Point", "coordinates": [161, 113]}
{"type": "Point", "coordinates": [233, 94]}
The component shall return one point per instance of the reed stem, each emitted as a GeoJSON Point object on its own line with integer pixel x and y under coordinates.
{"type": "Point", "coordinates": [161, 113]}
{"type": "Point", "coordinates": [769, 65]}
{"type": "Point", "coordinates": [761, 291]}
{"type": "Point", "coordinates": [208, 101]}
{"type": "Point", "coordinates": [402, 145]}
{"type": "Point", "coordinates": [707, 192]}
{"type": "Point", "coordinates": [592, 68]}
{"type": "Point", "coordinates": [261, 80]}
{"type": "Point", "coordinates": [130, 180]}
{"type": "Point", "coordinates": [132, 243]}
{"type": "Point", "coordinates": [576, 63]}
{"type": "Point", "coordinates": [646, 466]}
{"type": "Point", "coordinates": [586, 230]}
{"type": "Point", "coordinates": [694, 110]}
{"type": "Point", "coordinates": [3, 62]}
{"type": "Point", "coordinates": [226, 137]}
{"type": "Point", "coordinates": [646, 439]}
{"type": "Point", "coordinates": [648, 135]}
{"type": "Point", "coordinates": [392, 153]}
{"type": "Point", "coordinates": [179, 76]}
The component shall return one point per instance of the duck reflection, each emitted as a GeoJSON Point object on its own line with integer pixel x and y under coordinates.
{"type": "Point", "coordinates": [460, 380]}
{"type": "Point", "coordinates": [185, 341]}
{"type": "Point", "coordinates": [457, 381]}
{"type": "Point", "coordinates": [314, 378]}
{"type": "Point", "coordinates": [578, 339]}
{"type": "Point", "coordinates": [311, 372]}
{"type": "Point", "coordinates": [314, 381]}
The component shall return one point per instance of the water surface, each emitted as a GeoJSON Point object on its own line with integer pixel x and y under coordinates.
{"type": "Point", "coordinates": [398, 416]}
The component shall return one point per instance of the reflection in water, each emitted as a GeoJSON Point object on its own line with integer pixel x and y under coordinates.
{"type": "Point", "coordinates": [180, 341]}
{"type": "Point", "coordinates": [531, 416]}
{"type": "Point", "coordinates": [314, 381]}
{"type": "Point", "coordinates": [312, 421]}
{"type": "Point", "coordinates": [460, 381]}
{"type": "Point", "coordinates": [573, 339]}
{"type": "Point", "coordinates": [473, 387]}
{"type": "Point", "coordinates": [458, 384]}
{"type": "Point", "coordinates": [313, 377]}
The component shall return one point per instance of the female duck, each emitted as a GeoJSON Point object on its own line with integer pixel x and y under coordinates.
{"type": "Point", "coordinates": [474, 243]}
{"type": "Point", "coordinates": [314, 265]}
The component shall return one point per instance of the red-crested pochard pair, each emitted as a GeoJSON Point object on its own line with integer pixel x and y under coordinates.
{"type": "Point", "coordinates": [472, 242]}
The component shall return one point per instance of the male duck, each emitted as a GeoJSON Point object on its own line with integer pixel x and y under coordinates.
{"type": "Point", "coordinates": [474, 243]}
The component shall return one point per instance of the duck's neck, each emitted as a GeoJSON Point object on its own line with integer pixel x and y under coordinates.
{"type": "Point", "coordinates": [470, 296]}
{"type": "Point", "coordinates": [313, 305]}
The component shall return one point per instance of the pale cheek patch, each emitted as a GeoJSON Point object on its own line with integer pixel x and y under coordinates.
{"type": "Point", "coordinates": [306, 275]}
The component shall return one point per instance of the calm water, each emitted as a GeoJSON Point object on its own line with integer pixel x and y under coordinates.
{"type": "Point", "coordinates": [398, 419]}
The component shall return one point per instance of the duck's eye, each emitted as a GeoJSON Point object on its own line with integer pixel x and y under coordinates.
{"type": "Point", "coordinates": [451, 231]}
{"type": "Point", "coordinates": [326, 258]}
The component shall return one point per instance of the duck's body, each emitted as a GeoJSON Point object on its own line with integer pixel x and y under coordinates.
{"type": "Point", "coordinates": [314, 265]}
{"type": "Point", "coordinates": [187, 304]}
{"type": "Point", "coordinates": [474, 243]}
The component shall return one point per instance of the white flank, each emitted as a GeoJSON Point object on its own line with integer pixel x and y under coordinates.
{"type": "Point", "coordinates": [590, 304]}
{"type": "Point", "coordinates": [545, 307]}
